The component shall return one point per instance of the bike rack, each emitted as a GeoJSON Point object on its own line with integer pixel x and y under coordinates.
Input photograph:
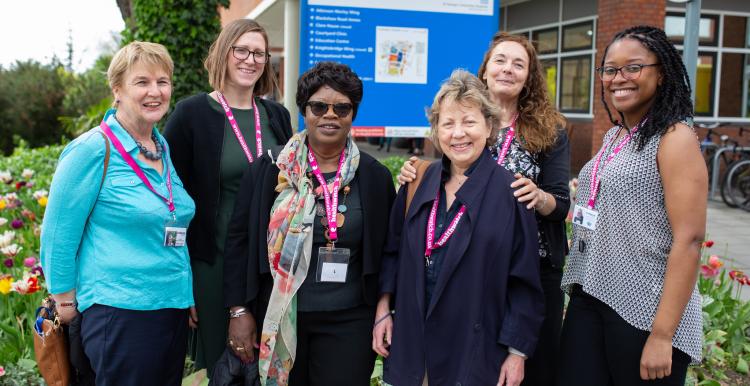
{"type": "Point", "coordinates": [715, 168]}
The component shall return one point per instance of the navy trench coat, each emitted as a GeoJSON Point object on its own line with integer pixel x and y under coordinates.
{"type": "Point", "coordinates": [488, 294]}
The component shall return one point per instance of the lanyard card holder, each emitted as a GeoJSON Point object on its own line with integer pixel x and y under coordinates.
{"type": "Point", "coordinates": [333, 263]}
{"type": "Point", "coordinates": [175, 233]}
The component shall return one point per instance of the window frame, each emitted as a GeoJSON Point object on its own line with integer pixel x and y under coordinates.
{"type": "Point", "coordinates": [562, 37]}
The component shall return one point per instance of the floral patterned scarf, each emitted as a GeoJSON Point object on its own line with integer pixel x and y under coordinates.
{"type": "Point", "coordinates": [290, 234]}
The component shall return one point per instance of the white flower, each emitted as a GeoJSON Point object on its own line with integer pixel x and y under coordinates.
{"type": "Point", "coordinates": [3, 221]}
{"type": "Point", "coordinates": [6, 237]}
{"type": "Point", "coordinates": [11, 197]}
{"type": "Point", "coordinates": [39, 194]}
{"type": "Point", "coordinates": [27, 173]}
{"type": "Point", "coordinates": [5, 176]}
{"type": "Point", "coordinates": [11, 250]}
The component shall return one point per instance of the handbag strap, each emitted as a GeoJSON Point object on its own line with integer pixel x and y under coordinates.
{"type": "Point", "coordinates": [421, 166]}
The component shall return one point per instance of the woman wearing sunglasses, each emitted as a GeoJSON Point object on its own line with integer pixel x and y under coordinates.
{"type": "Point", "coordinates": [305, 243]}
{"type": "Point", "coordinates": [213, 138]}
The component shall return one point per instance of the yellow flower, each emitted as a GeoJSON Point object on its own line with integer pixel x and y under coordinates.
{"type": "Point", "coordinates": [42, 201]}
{"type": "Point", "coordinates": [5, 284]}
{"type": "Point", "coordinates": [3, 204]}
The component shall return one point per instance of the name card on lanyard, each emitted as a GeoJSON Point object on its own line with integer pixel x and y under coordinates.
{"type": "Point", "coordinates": [236, 128]}
{"type": "Point", "coordinates": [174, 232]}
{"type": "Point", "coordinates": [333, 263]}
{"type": "Point", "coordinates": [587, 216]}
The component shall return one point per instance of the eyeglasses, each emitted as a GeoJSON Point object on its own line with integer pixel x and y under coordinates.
{"type": "Point", "coordinates": [242, 53]}
{"type": "Point", "coordinates": [629, 72]}
{"type": "Point", "coordinates": [320, 108]}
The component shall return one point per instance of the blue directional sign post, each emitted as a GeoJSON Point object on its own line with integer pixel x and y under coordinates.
{"type": "Point", "coordinates": [402, 50]}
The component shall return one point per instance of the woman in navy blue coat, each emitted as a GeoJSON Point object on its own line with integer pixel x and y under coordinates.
{"type": "Point", "coordinates": [466, 296]}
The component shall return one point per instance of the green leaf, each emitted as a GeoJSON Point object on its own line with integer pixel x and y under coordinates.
{"type": "Point", "coordinates": [742, 366]}
{"type": "Point", "coordinates": [709, 382]}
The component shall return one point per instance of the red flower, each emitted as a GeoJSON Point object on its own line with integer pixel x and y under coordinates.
{"type": "Point", "coordinates": [20, 184]}
{"type": "Point", "coordinates": [33, 285]}
{"type": "Point", "coordinates": [708, 243]}
{"type": "Point", "coordinates": [708, 272]}
{"type": "Point", "coordinates": [738, 276]}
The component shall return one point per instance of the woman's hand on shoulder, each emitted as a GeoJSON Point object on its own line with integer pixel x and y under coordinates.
{"type": "Point", "coordinates": [408, 171]}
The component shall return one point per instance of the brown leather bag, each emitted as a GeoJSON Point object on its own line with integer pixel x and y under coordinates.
{"type": "Point", "coordinates": [50, 340]}
{"type": "Point", "coordinates": [421, 166]}
{"type": "Point", "coordinates": [51, 346]}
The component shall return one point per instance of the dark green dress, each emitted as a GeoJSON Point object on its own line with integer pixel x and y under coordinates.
{"type": "Point", "coordinates": [210, 339]}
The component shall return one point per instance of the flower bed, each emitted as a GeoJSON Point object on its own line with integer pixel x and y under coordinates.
{"type": "Point", "coordinates": [24, 179]}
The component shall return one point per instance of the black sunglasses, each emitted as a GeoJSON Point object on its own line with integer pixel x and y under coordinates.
{"type": "Point", "coordinates": [320, 108]}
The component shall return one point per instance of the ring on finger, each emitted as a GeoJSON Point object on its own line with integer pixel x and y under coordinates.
{"type": "Point", "coordinates": [240, 348]}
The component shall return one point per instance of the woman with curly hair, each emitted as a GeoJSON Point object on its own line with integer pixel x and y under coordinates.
{"type": "Point", "coordinates": [533, 145]}
{"type": "Point", "coordinates": [634, 316]}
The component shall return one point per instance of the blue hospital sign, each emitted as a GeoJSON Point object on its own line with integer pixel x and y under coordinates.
{"type": "Point", "coordinates": [402, 50]}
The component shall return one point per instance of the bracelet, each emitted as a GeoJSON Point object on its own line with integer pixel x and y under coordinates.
{"type": "Point", "coordinates": [71, 303]}
{"type": "Point", "coordinates": [544, 199]}
{"type": "Point", "coordinates": [384, 317]}
{"type": "Point", "coordinates": [236, 314]}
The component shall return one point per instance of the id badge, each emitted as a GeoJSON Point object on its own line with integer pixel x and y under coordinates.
{"type": "Point", "coordinates": [174, 233]}
{"type": "Point", "coordinates": [585, 217]}
{"type": "Point", "coordinates": [333, 264]}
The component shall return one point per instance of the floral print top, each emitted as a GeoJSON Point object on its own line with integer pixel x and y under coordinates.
{"type": "Point", "coordinates": [520, 160]}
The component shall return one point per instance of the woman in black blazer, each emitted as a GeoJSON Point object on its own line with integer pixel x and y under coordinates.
{"type": "Point", "coordinates": [460, 267]}
{"type": "Point", "coordinates": [210, 158]}
{"type": "Point", "coordinates": [292, 273]}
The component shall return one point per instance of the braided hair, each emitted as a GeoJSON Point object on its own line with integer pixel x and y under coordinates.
{"type": "Point", "coordinates": [672, 102]}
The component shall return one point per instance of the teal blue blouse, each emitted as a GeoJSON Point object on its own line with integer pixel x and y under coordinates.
{"type": "Point", "coordinates": [109, 244]}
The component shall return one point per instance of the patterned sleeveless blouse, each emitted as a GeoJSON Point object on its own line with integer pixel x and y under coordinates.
{"type": "Point", "coordinates": [624, 260]}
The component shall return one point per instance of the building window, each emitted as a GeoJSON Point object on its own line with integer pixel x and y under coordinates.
{"type": "Point", "coordinates": [566, 52]}
{"type": "Point", "coordinates": [545, 41]}
{"type": "Point", "coordinates": [722, 81]}
{"type": "Point", "coordinates": [578, 36]}
{"type": "Point", "coordinates": [575, 84]}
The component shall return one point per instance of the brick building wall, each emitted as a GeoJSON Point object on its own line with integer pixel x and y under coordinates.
{"type": "Point", "coordinates": [614, 16]}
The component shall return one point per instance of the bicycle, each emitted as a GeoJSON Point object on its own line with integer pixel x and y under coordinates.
{"type": "Point", "coordinates": [737, 184]}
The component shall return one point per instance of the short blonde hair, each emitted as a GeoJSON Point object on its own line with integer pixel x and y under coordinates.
{"type": "Point", "coordinates": [464, 88]}
{"type": "Point", "coordinates": [216, 61]}
{"type": "Point", "coordinates": [138, 52]}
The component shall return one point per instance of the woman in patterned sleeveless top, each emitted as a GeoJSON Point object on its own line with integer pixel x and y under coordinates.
{"type": "Point", "coordinates": [533, 145]}
{"type": "Point", "coordinates": [634, 317]}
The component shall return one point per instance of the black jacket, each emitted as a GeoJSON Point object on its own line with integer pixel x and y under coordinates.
{"type": "Point", "coordinates": [553, 178]}
{"type": "Point", "coordinates": [247, 277]}
{"type": "Point", "coordinates": [195, 134]}
{"type": "Point", "coordinates": [488, 294]}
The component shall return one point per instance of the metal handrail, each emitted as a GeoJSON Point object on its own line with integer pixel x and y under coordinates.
{"type": "Point", "coordinates": [715, 168]}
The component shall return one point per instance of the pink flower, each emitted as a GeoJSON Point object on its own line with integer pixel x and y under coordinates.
{"type": "Point", "coordinates": [2, 371]}
{"type": "Point", "coordinates": [37, 271]}
{"type": "Point", "coordinates": [715, 262]}
{"type": "Point", "coordinates": [29, 261]}
{"type": "Point", "coordinates": [708, 272]}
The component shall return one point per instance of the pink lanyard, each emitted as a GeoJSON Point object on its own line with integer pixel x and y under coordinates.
{"type": "Point", "coordinates": [137, 169]}
{"type": "Point", "coordinates": [430, 242]}
{"type": "Point", "coordinates": [331, 197]}
{"type": "Point", "coordinates": [595, 180]}
{"type": "Point", "coordinates": [236, 127]}
{"type": "Point", "coordinates": [508, 139]}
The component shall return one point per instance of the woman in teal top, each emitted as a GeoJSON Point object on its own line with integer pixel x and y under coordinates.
{"type": "Point", "coordinates": [211, 151]}
{"type": "Point", "coordinates": [112, 243]}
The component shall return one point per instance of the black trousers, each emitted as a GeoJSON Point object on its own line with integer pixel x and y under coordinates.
{"type": "Point", "coordinates": [334, 348]}
{"type": "Point", "coordinates": [599, 348]}
{"type": "Point", "coordinates": [541, 368]}
{"type": "Point", "coordinates": [135, 348]}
